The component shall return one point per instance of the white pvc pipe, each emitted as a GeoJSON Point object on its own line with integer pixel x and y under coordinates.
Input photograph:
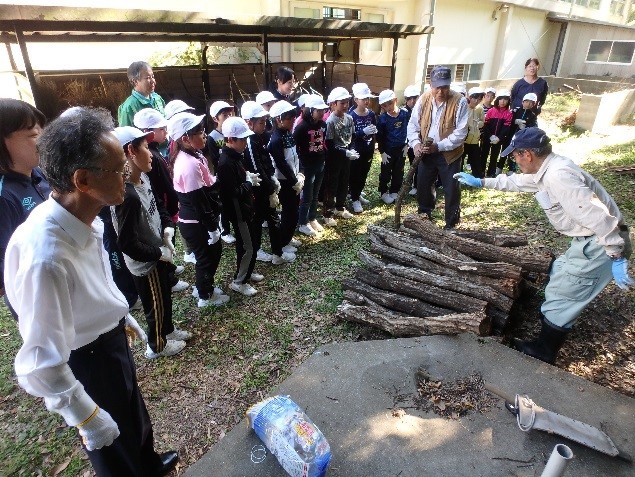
{"type": "Point", "coordinates": [558, 461]}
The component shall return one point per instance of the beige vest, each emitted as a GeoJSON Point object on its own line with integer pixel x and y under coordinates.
{"type": "Point", "coordinates": [448, 122]}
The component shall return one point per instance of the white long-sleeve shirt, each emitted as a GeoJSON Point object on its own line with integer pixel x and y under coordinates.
{"type": "Point", "coordinates": [58, 279]}
{"type": "Point", "coordinates": [454, 140]}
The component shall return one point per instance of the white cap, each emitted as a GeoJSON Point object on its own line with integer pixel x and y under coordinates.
{"type": "Point", "coordinates": [236, 127]}
{"type": "Point", "coordinates": [503, 92]}
{"type": "Point", "coordinates": [386, 95]}
{"type": "Point", "coordinates": [176, 106]}
{"type": "Point", "coordinates": [475, 90]}
{"type": "Point", "coordinates": [279, 108]}
{"type": "Point", "coordinates": [530, 97]}
{"type": "Point", "coordinates": [181, 123]}
{"type": "Point", "coordinates": [315, 101]}
{"type": "Point", "coordinates": [302, 99]}
{"type": "Point", "coordinates": [148, 118]}
{"type": "Point", "coordinates": [490, 89]}
{"type": "Point", "coordinates": [264, 97]}
{"type": "Point", "coordinates": [127, 134]}
{"type": "Point", "coordinates": [411, 91]}
{"type": "Point", "coordinates": [337, 94]}
{"type": "Point", "coordinates": [458, 87]}
{"type": "Point", "coordinates": [217, 106]}
{"type": "Point", "coordinates": [362, 91]}
{"type": "Point", "coordinates": [251, 109]}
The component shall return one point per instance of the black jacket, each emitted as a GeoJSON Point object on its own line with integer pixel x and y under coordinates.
{"type": "Point", "coordinates": [235, 192]}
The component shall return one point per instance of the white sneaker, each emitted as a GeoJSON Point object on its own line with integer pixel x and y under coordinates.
{"type": "Point", "coordinates": [179, 269]}
{"type": "Point", "coordinates": [180, 286]}
{"type": "Point", "coordinates": [344, 214]}
{"type": "Point", "coordinates": [243, 288]}
{"type": "Point", "coordinates": [413, 191]}
{"type": "Point", "coordinates": [228, 238]}
{"type": "Point", "coordinates": [363, 200]}
{"type": "Point", "coordinates": [216, 299]}
{"type": "Point", "coordinates": [189, 258]}
{"type": "Point", "coordinates": [137, 305]}
{"type": "Point", "coordinates": [307, 230]}
{"type": "Point", "coordinates": [330, 222]}
{"type": "Point", "coordinates": [295, 242]}
{"type": "Point", "coordinates": [263, 256]}
{"type": "Point", "coordinates": [171, 348]}
{"type": "Point", "coordinates": [357, 206]}
{"type": "Point", "coordinates": [257, 277]}
{"type": "Point", "coordinates": [286, 257]}
{"type": "Point", "coordinates": [179, 335]}
{"type": "Point", "coordinates": [289, 248]}
{"type": "Point", "coordinates": [387, 198]}
{"type": "Point", "coordinates": [315, 225]}
{"type": "Point", "coordinates": [394, 195]}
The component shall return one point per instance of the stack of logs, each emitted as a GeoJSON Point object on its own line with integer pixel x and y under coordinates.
{"type": "Point", "coordinates": [424, 280]}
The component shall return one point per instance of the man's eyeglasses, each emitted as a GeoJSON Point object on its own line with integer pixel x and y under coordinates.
{"type": "Point", "coordinates": [126, 173]}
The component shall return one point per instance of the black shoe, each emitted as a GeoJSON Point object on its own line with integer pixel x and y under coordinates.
{"type": "Point", "coordinates": [168, 462]}
{"type": "Point", "coordinates": [546, 346]}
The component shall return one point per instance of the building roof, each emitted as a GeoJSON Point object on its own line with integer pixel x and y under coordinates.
{"type": "Point", "coordinates": [561, 18]}
{"type": "Point", "coordinates": [65, 24]}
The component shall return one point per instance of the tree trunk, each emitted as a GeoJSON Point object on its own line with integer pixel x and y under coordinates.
{"type": "Point", "coordinates": [392, 301]}
{"type": "Point", "coordinates": [492, 237]}
{"type": "Point", "coordinates": [417, 241]}
{"type": "Point", "coordinates": [536, 261]}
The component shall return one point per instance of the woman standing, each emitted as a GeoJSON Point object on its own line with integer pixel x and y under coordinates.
{"type": "Point", "coordinates": [530, 83]}
{"type": "Point", "coordinates": [285, 81]}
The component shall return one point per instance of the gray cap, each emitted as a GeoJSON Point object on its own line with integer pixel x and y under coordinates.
{"type": "Point", "coordinates": [440, 76]}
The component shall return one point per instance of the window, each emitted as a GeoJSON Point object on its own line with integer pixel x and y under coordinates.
{"type": "Point", "coordinates": [376, 44]}
{"type": "Point", "coordinates": [618, 52]}
{"type": "Point", "coordinates": [463, 72]}
{"type": "Point", "coordinates": [595, 4]}
{"type": "Point", "coordinates": [341, 13]}
{"type": "Point", "coordinates": [306, 13]}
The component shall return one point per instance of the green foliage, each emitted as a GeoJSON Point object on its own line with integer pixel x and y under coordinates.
{"type": "Point", "coordinates": [192, 55]}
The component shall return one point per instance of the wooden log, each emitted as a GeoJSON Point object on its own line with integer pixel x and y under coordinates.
{"type": "Point", "coordinates": [394, 301]}
{"type": "Point", "coordinates": [436, 296]}
{"type": "Point", "coordinates": [488, 269]}
{"type": "Point", "coordinates": [445, 249]}
{"type": "Point", "coordinates": [401, 325]}
{"type": "Point", "coordinates": [535, 261]}
{"type": "Point", "coordinates": [492, 237]}
{"type": "Point", "coordinates": [505, 286]}
{"type": "Point", "coordinates": [455, 284]}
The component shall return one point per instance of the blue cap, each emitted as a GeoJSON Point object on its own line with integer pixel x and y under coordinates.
{"type": "Point", "coordinates": [440, 76]}
{"type": "Point", "coordinates": [528, 138]}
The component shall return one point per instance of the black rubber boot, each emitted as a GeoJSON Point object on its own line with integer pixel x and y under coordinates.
{"type": "Point", "coordinates": [546, 346]}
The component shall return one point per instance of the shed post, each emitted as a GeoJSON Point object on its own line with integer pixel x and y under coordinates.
{"type": "Point", "coordinates": [28, 68]}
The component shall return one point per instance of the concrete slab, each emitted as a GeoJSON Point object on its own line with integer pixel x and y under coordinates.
{"type": "Point", "coordinates": [349, 390]}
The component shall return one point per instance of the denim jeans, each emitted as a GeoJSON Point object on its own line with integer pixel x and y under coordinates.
{"type": "Point", "coordinates": [313, 175]}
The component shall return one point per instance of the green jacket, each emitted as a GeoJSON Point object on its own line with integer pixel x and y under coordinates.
{"type": "Point", "coordinates": [135, 103]}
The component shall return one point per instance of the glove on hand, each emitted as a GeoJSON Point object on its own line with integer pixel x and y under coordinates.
{"type": "Point", "coordinates": [213, 237]}
{"type": "Point", "coordinates": [370, 129]}
{"type": "Point", "coordinates": [276, 183]}
{"type": "Point", "coordinates": [494, 139]}
{"type": "Point", "coordinates": [300, 184]}
{"type": "Point", "coordinates": [135, 329]}
{"type": "Point", "coordinates": [274, 201]}
{"type": "Point", "coordinates": [99, 430]}
{"type": "Point", "coordinates": [352, 154]}
{"type": "Point", "coordinates": [468, 179]}
{"type": "Point", "coordinates": [620, 273]}
{"type": "Point", "coordinates": [166, 254]}
{"type": "Point", "coordinates": [384, 158]}
{"type": "Point", "coordinates": [168, 235]}
{"type": "Point", "coordinates": [253, 178]}
{"type": "Point", "coordinates": [405, 150]}
{"type": "Point", "coordinates": [480, 124]}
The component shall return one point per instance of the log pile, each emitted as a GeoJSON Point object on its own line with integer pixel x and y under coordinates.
{"type": "Point", "coordinates": [424, 280]}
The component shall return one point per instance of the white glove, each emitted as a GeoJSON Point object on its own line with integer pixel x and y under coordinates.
{"type": "Point", "coordinates": [384, 158]}
{"type": "Point", "coordinates": [405, 150]}
{"type": "Point", "coordinates": [300, 184]}
{"type": "Point", "coordinates": [253, 178]}
{"type": "Point", "coordinates": [166, 254]}
{"type": "Point", "coordinates": [520, 122]}
{"type": "Point", "coordinates": [99, 430]}
{"type": "Point", "coordinates": [135, 329]}
{"type": "Point", "coordinates": [213, 237]}
{"type": "Point", "coordinates": [480, 124]}
{"type": "Point", "coordinates": [370, 129]}
{"type": "Point", "coordinates": [352, 154]}
{"type": "Point", "coordinates": [168, 235]}
{"type": "Point", "coordinates": [494, 139]}
{"type": "Point", "coordinates": [276, 183]}
{"type": "Point", "coordinates": [274, 201]}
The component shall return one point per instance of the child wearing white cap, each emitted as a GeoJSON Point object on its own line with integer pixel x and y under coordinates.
{"type": "Point", "coordinates": [523, 117]}
{"type": "Point", "coordinates": [199, 203]}
{"type": "Point", "coordinates": [237, 196]}
{"type": "Point", "coordinates": [144, 232]}
{"type": "Point", "coordinates": [488, 98]}
{"type": "Point", "coordinates": [411, 94]}
{"type": "Point", "coordinates": [498, 122]}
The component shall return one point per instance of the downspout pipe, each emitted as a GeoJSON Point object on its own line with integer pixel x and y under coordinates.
{"type": "Point", "coordinates": [433, 4]}
{"type": "Point", "coordinates": [558, 461]}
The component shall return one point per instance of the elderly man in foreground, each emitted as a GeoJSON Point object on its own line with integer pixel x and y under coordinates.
{"type": "Point", "coordinates": [577, 206]}
{"type": "Point", "coordinates": [71, 314]}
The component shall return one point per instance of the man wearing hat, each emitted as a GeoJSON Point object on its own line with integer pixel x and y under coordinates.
{"type": "Point", "coordinates": [577, 206]}
{"type": "Point", "coordinates": [436, 131]}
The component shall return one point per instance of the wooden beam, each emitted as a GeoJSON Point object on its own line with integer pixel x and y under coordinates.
{"type": "Point", "coordinates": [265, 50]}
{"type": "Point", "coordinates": [28, 68]}
{"type": "Point", "coordinates": [393, 68]}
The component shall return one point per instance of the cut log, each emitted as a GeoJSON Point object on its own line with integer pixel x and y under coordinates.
{"type": "Point", "coordinates": [436, 296]}
{"type": "Point", "coordinates": [488, 269]}
{"type": "Point", "coordinates": [417, 241]}
{"type": "Point", "coordinates": [492, 237]}
{"type": "Point", "coordinates": [535, 261]}
{"type": "Point", "coordinates": [458, 285]}
{"type": "Point", "coordinates": [393, 301]}
{"type": "Point", "coordinates": [505, 286]}
{"type": "Point", "coordinates": [399, 325]}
